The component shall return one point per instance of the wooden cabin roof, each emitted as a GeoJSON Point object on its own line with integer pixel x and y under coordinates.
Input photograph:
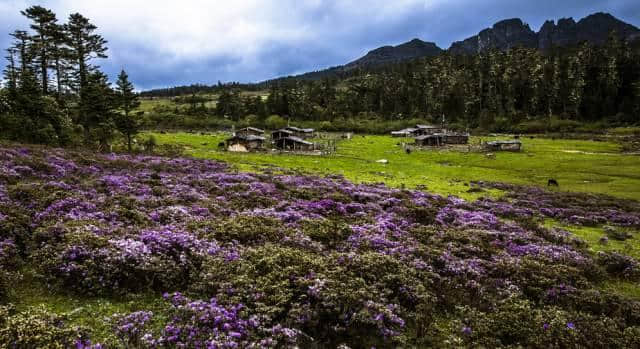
{"type": "Point", "coordinates": [283, 131]}
{"type": "Point", "coordinates": [515, 141]}
{"type": "Point", "coordinates": [297, 129]}
{"type": "Point", "coordinates": [404, 131]}
{"type": "Point", "coordinates": [254, 129]}
{"type": "Point", "coordinates": [435, 135]}
{"type": "Point", "coordinates": [296, 140]}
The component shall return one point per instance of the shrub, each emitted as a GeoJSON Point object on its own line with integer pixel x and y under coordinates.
{"type": "Point", "coordinates": [275, 122]}
{"type": "Point", "coordinates": [619, 265]}
{"type": "Point", "coordinates": [8, 266]}
{"type": "Point", "coordinates": [617, 234]}
{"type": "Point", "coordinates": [154, 260]}
{"type": "Point", "coordinates": [37, 327]}
{"type": "Point", "coordinates": [150, 144]}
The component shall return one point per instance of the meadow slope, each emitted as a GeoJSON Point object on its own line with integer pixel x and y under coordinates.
{"type": "Point", "coordinates": [152, 252]}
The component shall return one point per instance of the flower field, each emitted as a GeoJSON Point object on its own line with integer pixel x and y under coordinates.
{"type": "Point", "coordinates": [275, 260]}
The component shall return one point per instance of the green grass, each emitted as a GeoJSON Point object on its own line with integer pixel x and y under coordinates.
{"type": "Point", "coordinates": [147, 105]}
{"type": "Point", "coordinates": [622, 287]}
{"type": "Point", "coordinates": [89, 312]}
{"type": "Point", "coordinates": [592, 235]}
{"type": "Point", "coordinates": [583, 166]}
{"type": "Point", "coordinates": [625, 131]}
{"type": "Point", "coordinates": [629, 247]}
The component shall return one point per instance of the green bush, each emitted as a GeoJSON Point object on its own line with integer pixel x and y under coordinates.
{"type": "Point", "coordinates": [275, 122]}
{"type": "Point", "coordinates": [563, 125]}
{"type": "Point", "coordinates": [36, 327]}
{"type": "Point", "coordinates": [535, 126]}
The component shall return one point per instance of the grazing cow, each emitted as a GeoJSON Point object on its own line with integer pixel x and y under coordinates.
{"type": "Point", "coordinates": [408, 150]}
{"type": "Point", "coordinates": [553, 182]}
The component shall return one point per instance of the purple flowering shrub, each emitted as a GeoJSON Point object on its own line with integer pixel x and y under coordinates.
{"type": "Point", "coordinates": [152, 260]}
{"type": "Point", "coordinates": [338, 297]}
{"type": "Point", "coordinates": [272, 260]}
{"type": "Point", "coordinates": [200, 324]}
{"type": "Point", "coordinates": [9, 261]}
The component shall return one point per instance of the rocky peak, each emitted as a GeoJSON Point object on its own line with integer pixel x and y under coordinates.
{"type": "Point", "coordinates": [562, 34]}
{"type": "Point", "coordinates": [595, 29]}
{"type": "Point", "coordinates": [503, 35]}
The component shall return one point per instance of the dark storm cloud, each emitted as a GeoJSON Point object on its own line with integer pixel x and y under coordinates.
{"type": "Point", "coordinates": [197, 41]}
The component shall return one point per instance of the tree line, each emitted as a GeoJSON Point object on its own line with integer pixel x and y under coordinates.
{"type": "Point", "coordinates": [54, 93]}
{"type": "Point", "coordinates": [494, 90]}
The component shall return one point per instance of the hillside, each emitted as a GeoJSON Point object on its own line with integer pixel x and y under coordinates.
{"type": "Point", "coordinates": [415, 48]}
{"type": "Point", "coordinates": [503, 35]}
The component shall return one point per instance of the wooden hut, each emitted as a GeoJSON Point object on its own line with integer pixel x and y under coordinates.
{"type": "Point", "coordinates": [244, 143]}
{"type": "Point", "coordinates": [250, 131]}
{"type": "Point", "coordinates": [301, 132]}
{"type": "Point", "coordinates": [282, 133]}
{"type": "Point", "coordinates": [456, 138]}
{"type": "Point", "coordinates": [429, 129]}
{"type": "Point", "coordinates": [407, 132]}
{"type": "Point", "coordinates": [434, 140]}
{"type": "Point", "coordinates": [514, 145]}
{"type": "Point", "coordinates": [419, 130]}
{"type": "Point", "coordinates": [293, 143]}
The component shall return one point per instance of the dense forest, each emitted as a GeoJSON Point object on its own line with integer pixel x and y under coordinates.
{"type": "Point", "coordinates": [494, 90]}
{"type": "Point", "coordinates": [54, 93]}
{"type": "Point", "coordinates": [586, 87]}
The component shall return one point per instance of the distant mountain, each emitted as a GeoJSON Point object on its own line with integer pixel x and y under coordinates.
{"type": "Point", "coordinates": [503, 35]}
{"type": "Point", "coordinates": [415, 48]}
{"type": "Point", "coordinates": [509, 33]}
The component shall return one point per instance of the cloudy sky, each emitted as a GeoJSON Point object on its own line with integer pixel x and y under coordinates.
{"type": "Point", "coordinates": [168, 42]}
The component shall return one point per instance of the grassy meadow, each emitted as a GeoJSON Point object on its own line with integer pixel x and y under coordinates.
{"type": "Point", "coordinates": [582, 166]}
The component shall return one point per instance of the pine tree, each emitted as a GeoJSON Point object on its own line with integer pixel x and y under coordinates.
{"type": "Point", "coordinates": [127, 101]}
{"type": "Point", "coordinates": [97, 109]}
{"type": "Point", "coordinates": [23, 48]}
{"type": "Point", "coordinates": [45, 27]}
{"type": "Point", "coordinates": [11, 74]}
{"type": "Point", "coordinates": [85, 45]}
{"type": "Point", "coordinates": [61, 59]}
